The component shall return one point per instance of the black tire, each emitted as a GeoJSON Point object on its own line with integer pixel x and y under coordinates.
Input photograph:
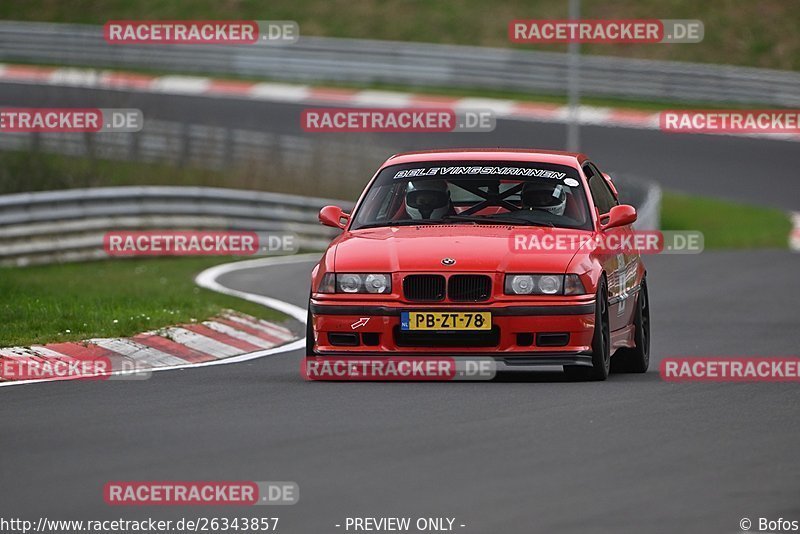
{"type": "Point", "coordinates": [309, 333]}
{"type": "Point", "coordinates": [601, 342]}
{"type": "Point", "coordinates": [637, 359]}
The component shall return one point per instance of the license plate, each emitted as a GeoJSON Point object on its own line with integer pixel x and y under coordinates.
{"type": "Point", "coordinates": [446, 320]}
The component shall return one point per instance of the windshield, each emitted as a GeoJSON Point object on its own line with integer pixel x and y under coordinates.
{"type": "Point", "coordinates": [485, 192]}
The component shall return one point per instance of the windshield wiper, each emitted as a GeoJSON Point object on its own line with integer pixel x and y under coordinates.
{"type": "Point", "coordinates": [496, 220]}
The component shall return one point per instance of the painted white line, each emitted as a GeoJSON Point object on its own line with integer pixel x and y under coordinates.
{"type": "Point", "coordinates": [208, 279]}
{"type": "Point", "coordinates": [239, 334]}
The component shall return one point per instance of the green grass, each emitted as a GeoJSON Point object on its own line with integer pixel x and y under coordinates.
{"type": "Point", "coordinates": [111, 298]}
{"type": "Point", "coordinates": [742, 32]}
{"type": "Point", "coordinates": [726, 224]}
{"type": "Point", "coordinates": [22, 171]}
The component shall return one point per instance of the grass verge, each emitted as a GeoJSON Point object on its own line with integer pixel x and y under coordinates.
{"type": "Point", "coordinates": [726, 224]}
{"type": "Point", "coordinates": [113, 298]}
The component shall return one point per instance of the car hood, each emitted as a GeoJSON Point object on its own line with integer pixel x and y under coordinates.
{"type": "Point", "coordinates": [422, 248]}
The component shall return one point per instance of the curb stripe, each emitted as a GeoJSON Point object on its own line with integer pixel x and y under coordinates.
{"type": "Point", "coordinates": [271, 327]}
{"type": "Point", "coordinates": [265, 327]}
{"type": "Point", "coordinates": [201, 343]}
{"type": "Point", "coordinates": [208, 279]}
{"type": "Point", "coordinates": [142, 354]}
{"type": "Point", "coordinates": [283, 92]}
{"type": "Point", "coordinates": [231, 87]}
{"type": "Point", "coordinates": [251, 330]}
{"type": "Point", "coordinates": [125, 79]}
{"type": "Point", "coordinates": [183, 85]}
{"type": "Point", "coordinates": [83, 351]}
{"type": "Point", "coordinates": [279, 92]}
{"type": "Point", "coordinates": [170, 347]}
{"type": "Point", "coordinates": [50, 354]}
{"type": "Point", "coordinates": [239, 334]}
{"type": "Point", "coordinates": [330, 94]}
{"type": "Point", "coordinates": [203, 330]}
{"type": "Point", "coordinates": [20, 354]}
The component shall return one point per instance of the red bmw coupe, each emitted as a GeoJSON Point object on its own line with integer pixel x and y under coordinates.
{"type": "Point", "coordinates": [484, 253]}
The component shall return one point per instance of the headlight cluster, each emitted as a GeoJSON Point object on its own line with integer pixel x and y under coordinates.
{"type": "Point", "coordinates": [544, 284]}
{"type": "Point", "coordinates": [356, 283]}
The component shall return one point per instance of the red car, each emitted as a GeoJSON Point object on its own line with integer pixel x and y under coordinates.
{"type": "Point", "coordinates": [435, 260]}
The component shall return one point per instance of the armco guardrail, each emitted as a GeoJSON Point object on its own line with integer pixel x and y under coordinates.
{"type": "Point", "coordinates": [55, 226]}
{"type": "Point", "coordinates": [315, 59]}
{"type": "Point", "coordinates": [68, 225]}
{"type": "Point", "coordinates": [301, 164]}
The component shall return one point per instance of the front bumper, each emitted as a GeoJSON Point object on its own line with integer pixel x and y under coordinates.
{"type": "Point", "coordinates": [536, 334]}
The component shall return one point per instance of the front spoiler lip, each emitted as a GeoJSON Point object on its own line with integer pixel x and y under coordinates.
{"type": "Point", "coordinates": [523, 361]}
{"type": "Point", "coordinates": [362, 310]}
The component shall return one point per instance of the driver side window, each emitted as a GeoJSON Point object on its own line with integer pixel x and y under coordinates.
{"type": "Point", "coordinates": [603, 197]}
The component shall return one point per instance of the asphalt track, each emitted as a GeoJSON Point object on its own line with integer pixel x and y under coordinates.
{"type": "Point", "coordinates": [633, 454]}
{"type": "Point", "coordinates": [534, 454]}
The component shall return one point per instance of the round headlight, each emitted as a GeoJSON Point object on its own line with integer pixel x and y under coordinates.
{"type": "Point", "coordinates": [349, 283]}
{"type": "Point", "coordinates": [376, 283]}
{"type": "Point", "coordinates": [522, 285]}
{"type": "Point", "coordinates": [550, 285]}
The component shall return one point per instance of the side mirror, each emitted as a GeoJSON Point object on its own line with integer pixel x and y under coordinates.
{"type": "Point", "coordinates": [611, 185]}
{"type": "Point", "coordinates": [621, 215]}
{"type": "Point", "coordinates": [334, 216]}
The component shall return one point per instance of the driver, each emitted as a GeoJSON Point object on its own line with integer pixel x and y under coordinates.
{"type": "Point", "coordinates": [547, 196]}
{"type": "Point", "coordinates": [428, 199]}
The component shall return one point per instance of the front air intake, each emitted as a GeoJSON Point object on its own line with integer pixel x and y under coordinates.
{"type": "Point", "coordinates": [469, 287]}
{"type": "Point", "coordinates": [424, 287]}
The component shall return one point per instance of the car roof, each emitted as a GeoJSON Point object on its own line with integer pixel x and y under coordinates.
{"type": "Point", "coordinates": [572, 159]}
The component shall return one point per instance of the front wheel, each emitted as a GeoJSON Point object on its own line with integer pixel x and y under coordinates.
{"type": "Point", "coordinates": [637, 359]}
{"type": "Point", "coordinates": [601, 342]}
